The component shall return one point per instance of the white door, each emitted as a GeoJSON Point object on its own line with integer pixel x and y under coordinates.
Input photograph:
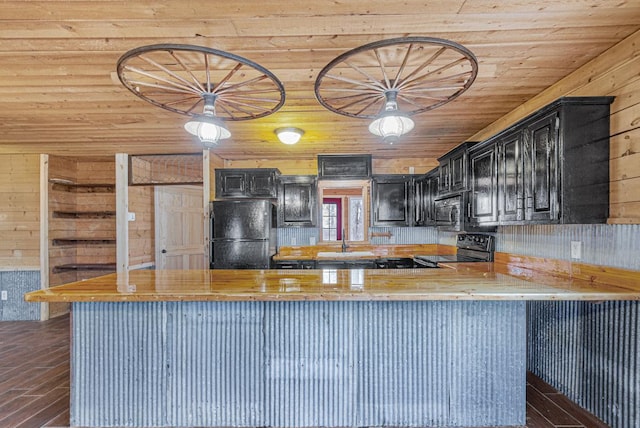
{"type": "Point", "coordinates": [180, 235]}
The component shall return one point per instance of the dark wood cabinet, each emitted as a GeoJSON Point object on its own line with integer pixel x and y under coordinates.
{"type": "Point", "coordinates": [344, 167]}
{"type": "Point", "coordinates": [453, 169]}
{"type": "Point", "coordinates": [510, 177]}
{"type": "Point", "coordinates": [391, 200]}
{"type": "Point", "coordinates": [297, 201]}
{"type": "Point", "coordinates": [425, 191]}
{"type": "Point", "coordinates": [247, 183]}
{"type": "Point", "coordinates": [294, 264]}
{"type": "Point", "coordinates": [551, 167]}
{"type": "Point", "coordinates": [541, 169]}
{"type": "Point", "coordinates": [483, 200]}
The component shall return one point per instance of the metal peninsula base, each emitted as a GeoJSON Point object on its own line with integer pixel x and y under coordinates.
{"type": "Point", "coordinates": [299, 364]}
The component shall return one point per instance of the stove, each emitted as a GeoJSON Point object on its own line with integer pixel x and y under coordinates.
{"type": "Point", "coordinates": [472, 247]}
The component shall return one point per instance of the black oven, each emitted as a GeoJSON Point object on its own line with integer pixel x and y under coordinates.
{"type": "Point", "coordinates": [471, 247]}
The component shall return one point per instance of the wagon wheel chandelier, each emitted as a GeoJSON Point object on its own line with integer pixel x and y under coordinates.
{"type": "Point", "coordinates": [209, 85]}
{"type": "Point", "coordinates": [391, 80]}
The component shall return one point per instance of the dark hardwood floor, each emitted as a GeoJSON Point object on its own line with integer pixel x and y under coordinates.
{"type": "Point", "coordinates": [34, 382]}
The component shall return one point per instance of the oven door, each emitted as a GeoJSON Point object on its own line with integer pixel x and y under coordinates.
{"type": "Point", "coordinates": [449, 213]}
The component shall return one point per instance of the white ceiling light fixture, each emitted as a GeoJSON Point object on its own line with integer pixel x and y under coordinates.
{"type": "Point", "coordinates": [289, 135]}
{"type": "Point", "coordinates": [392, 80]}
{"type": "Point", "coordinates": [187, 79]}
{"type": "Point", "coordinates": [391, 123]}
{"type": "Point", "coordinates": [207, 127]}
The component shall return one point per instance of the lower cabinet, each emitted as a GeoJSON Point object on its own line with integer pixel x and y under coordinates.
{"type": "Point", "coordinates": [294, 264]}
{"type": "Point", "coordinates": [346, 264]}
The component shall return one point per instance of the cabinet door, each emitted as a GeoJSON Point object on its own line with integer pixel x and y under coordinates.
{"type": "Point", "coordinates": [391, 203]}
{"type": "Point", "coordinates": [483, 197]}
{"type": "Point", "coordinates": [510, 179]}
{"type": "Point", "coordinates": [297, 201]}
{"type": "Point", "coordinates": [541, 170]}
{"type": "Point", "coordinates": [458, 176]}
{"type": "Point", "coordinates": [444, 177]}
{"type": "Point", "coordinates": [230, 184]}
{"type": "Point", "coordinates": [425, 192]}
{"type": "Point", "coordinates": [262, 184]}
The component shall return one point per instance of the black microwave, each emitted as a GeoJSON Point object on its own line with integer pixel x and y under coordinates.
{"type": "Point", "coordinates": [453, 214]}
{"type": "Point", "coordinates": [450, 213]}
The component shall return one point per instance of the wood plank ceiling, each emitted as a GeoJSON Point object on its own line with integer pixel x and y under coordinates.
{"type": "Point", "coordinates": [59, 92]}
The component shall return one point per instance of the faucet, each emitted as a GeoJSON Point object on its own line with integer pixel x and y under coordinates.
{"type": "Point", "coordinates": [344, 243]}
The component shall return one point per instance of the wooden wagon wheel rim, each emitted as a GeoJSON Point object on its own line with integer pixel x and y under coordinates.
{"type": "Point", "coordinates": [165, 75]}
{"type": "Point", "coordinates": [359, 89]}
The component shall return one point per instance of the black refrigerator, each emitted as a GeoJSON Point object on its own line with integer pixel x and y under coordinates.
{"type": "Point", "coordinates": [244, 234]}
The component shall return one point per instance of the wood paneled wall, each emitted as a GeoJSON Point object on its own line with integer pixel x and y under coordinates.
{"type": "Point", "coordinates": [142, 230]}
{"type": "Point", "coordinates": [19, 211]}
{"type": "Point", "coordinates": [617, 73]}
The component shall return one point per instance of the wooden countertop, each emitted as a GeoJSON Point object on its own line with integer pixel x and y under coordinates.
{"type": "Point", "coordinates": [461, 281]}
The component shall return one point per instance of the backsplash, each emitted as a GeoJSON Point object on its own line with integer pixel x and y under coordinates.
{"type": "Point", "coordinates": [399, 235]}
{"type": "Point", "coordinates": [601, 244]}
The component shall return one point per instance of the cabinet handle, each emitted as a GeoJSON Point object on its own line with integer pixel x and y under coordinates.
{"type": "Point", "coordinates": [469, 209]}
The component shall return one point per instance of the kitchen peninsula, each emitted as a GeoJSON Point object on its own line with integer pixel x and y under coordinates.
{"type": "Point", "coordinates": [406, 347]}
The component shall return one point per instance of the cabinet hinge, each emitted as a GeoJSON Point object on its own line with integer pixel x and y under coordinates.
{"type": "Point", "coordinates": [557, 123]}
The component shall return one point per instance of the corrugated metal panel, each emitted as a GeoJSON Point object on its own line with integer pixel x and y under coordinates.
{"type": "Point", "coordinates": [405, 235]}
{"type": "Point", "coordinates": [16, 283]}
{"type": "Point", "coordinates": [298, 364]}
{"type": "Point", "coordinates": [292, 236]}
{"type": "Point", "coordinates": [602, 244]}
{"type": "Point", "coordinates": [589, 351]}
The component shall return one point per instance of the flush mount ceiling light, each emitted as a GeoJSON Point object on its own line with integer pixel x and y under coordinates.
{"type": "Point", "coordinates": [289, 135]}
{"type": "Point", "coordinates": [209, 85]}
{"type": "Point", "coordinates": [391, 80]}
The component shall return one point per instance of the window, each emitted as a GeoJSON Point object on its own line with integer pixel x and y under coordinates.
{"type": "Point", "coordinates": [344, 210]}
{"type": "Point", "coordinates": [331, 219]}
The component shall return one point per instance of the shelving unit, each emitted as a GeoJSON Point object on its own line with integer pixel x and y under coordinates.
{"type": "Point", "coordinates": [82, 216]}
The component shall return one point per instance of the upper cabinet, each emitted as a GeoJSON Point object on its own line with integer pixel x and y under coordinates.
{"type": "Point", "coordinates": [551, 167]}
{"type": "Point", "coordinates": [344, 167]}
{"type": "Point", "coordinates": [297, 201]}
{"type": "Point", "coordinates": [425, 191]}
{"type": "Point", "coordinates": [453, 169]}
{"type": "Point", "coordinates": [392, 200]}
{"type": "Point", "coordinates": [247, 183]}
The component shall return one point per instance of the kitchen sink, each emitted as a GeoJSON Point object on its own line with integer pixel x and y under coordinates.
{"type": "Point", "coordinates": [345, 255]}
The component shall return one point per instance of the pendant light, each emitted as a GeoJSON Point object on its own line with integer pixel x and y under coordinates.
{"type": "Point", "coordinates": [391, 123]}
{"type": "Point", "coordinates": [207, 127]}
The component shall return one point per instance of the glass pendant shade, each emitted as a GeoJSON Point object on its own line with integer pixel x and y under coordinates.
{"type": "Point", "coordinates": [207, 128]}
{"type": "Point", "coordinates": [390, 125]}
{"type": "Point", "coordinates": [289, 135]}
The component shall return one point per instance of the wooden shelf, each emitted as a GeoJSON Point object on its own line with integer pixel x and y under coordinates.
{"type": "Point", "coordinates": [85, 241]}
{"type": "Point", "coordinates": [84, 214]}
{"type": "Point", "coordinates": [85, 266]}
{"type": "Point", "coordinates": [70, 186]}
